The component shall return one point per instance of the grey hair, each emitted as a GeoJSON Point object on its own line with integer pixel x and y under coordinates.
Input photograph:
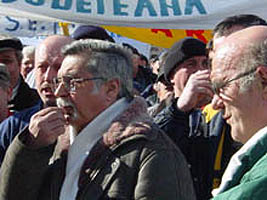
{"type": "Point", "coordinates": [28, 50]}
{"type": "Point", "coordinates": [107, 60]}
{"type": "Point", "coordinates": [255, 56]}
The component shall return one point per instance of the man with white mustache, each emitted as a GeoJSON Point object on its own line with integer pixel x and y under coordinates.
{"type": "Point", "coordinates": [48, 59]}
{"type": "Point", "coordinates": [117, 153]}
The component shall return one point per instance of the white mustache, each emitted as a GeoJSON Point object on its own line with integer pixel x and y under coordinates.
{"type": "Point", "coordinates": [46, 85]}
{"type": "Point", "coordinates": [63, 103]}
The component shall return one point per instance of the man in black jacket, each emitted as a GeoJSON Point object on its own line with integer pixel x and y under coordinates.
{"type": "Point", "coordinates": [185, 68]}
{"type": "Point", "coordinates": [10, 54]}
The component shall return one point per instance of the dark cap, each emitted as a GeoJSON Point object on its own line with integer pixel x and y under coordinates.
{"type": "Point", "coordinates": [4, 75]}
{"type": "Point", "coordinates": [131, 48]}
{"type": "Point", "coordinates": [9, 43]}
{"type": "Point", "coordinates": [181, 51]}
{"type": "Point", "coordinates": [91, 32]}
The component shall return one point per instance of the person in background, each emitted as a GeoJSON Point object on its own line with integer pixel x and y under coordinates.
{"type": "Point", "coordinates": [10, 54]}
{"type": "Point", "coordinates": [117, 150]}
{"type": "Point", "coordinates": [91, 32]}
{"type": "Point", "coordinates": [185, 68]}
{"type": "Point", "coordinates": [5, 91]}
{"type": "Point", "coordinates": [143, 76]}
{"type": "Point", "coordinates": [143, 60]}
{"type": "Point", "coordinates": [48, 59]}
{"type": "Point", "coordinates": [239, 77]}
{"type": "Point", "coordinates": [161, 89]}
{"type": "Point", "coordinates": [163, 94]}
{"type": "Point", "coordinates": [27, 63]}
{"type": "Point", "coordinates": [154, 64]}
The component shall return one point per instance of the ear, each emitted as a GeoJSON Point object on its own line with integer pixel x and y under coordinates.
{"type": "Point", "coordinates": [262, 70]}
{"type": "Point", "coordinates": [112, 89]}
{"type": "Point", "coordinates": [263, 73]}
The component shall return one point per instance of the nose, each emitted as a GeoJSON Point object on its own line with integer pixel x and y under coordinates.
{"type": "Point", "coordinates": [60, 91]}
{"type": "Point", "coordinates": [217, 102]}
{"type": "Point", "coordinates": [50, 73]}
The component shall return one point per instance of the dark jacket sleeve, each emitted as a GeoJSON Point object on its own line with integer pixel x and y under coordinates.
{"type": "Point", "coordinates": [13, 125]}
{"type": "Point", "coordinates": [23, 170]}
{"type": "Point", "coordinates": [171, 118]}
{"type": "Point", "coordinates": [189, 132]}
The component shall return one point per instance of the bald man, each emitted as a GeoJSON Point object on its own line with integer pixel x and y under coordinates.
{"type": "Point", "coordinates": [239, 77]}
{"type": "Point", "coordinates": [48, 59]}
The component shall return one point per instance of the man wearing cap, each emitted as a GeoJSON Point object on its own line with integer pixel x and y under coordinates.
{"type": "Point", "coordinates": [5, 91]}
{"type": "Point", "coordinates": [163, 91]}
{"type": "Point", "coordinates": [185, 68]}
{"type": "Point", "coordinates": [10, 54]}
{"type": "Point", "coordinates": [143, 76]}
{"type": "Point", "coordinates": [91, 32]}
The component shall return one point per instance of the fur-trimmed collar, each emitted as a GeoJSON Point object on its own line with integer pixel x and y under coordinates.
{"type": "Point", "coordinates": [132, 121]}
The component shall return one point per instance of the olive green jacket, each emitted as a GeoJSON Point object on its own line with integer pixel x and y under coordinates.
{"type": "Point", "coordinates": [133, 160]}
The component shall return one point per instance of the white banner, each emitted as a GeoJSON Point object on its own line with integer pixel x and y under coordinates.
{"type": "Point", "coordinates": [22, 27]}
{"type": "Point", "coordinates": [164, 14]}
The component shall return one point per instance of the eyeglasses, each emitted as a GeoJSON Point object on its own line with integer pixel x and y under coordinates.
{"type": "Point", "coordinates": [217, 86]}
{"type": "Point", "coordinates": [70, 83]}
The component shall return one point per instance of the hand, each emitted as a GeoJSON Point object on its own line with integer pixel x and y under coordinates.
{"type": "Point", "coordinates": [197, 91]}
{"type": "Point", "coordinates": [46, 126]}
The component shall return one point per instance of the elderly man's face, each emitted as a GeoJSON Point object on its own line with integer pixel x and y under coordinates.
{"type": "Point", "coordinates": [81, 102]}
{"type": "Point", "coordinates": [47, 63]}
{"type": "Point", "coordinates": [239, 107]}
{"type": "Point", "coordinates": [9, 58]}
{"type": "Point", "coordinates": [27, 64]}
{"type": "Point", "coordinates": [182, 73]}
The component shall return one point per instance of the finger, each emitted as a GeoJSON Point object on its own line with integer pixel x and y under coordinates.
{"type": "Point", "coordinates": [225, 97]}
{"type": "Point", "coordinates": [53, 115]}
{"type": "Point", "coordinates": [47, 110]}
{"type": "Point", "coordinates": [204, 90]}
{"type": "Point", "coordinates": [201, 75]}
{"type": "Point", "coordinates": [58, 130]}
{"type": "Point", "coordinates": [199, 83]}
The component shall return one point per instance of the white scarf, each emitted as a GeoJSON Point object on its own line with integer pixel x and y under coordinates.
{"type": "Point", "coordinates": [83, 144]}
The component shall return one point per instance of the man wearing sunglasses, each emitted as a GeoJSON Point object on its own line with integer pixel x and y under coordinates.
{"type": "Point", "coordinates": [116, 151]}
{"type": "Point", "coordinates": [239, 77]}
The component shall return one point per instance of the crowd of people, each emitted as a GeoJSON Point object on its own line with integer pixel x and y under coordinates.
{"type": "Point", "coordinates": [82, 117]}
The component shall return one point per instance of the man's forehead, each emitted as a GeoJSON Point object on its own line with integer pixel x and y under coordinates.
{"type": "Point", "coordinates": [47, 50]}
{"type": "Point", "coordinates": [73, 66]}
{"type": "Point", "coordinates": [224, 59]}
{"type": "Point", "coordinates": [217, 42]}
{"type": "Point", "coordinates": [226, 53]}
{"type": "Point", "coordinates": [7, 53]}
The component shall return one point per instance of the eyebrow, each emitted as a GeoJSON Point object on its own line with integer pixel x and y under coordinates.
{"type": "Point", "coordinates": [190, 61]}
